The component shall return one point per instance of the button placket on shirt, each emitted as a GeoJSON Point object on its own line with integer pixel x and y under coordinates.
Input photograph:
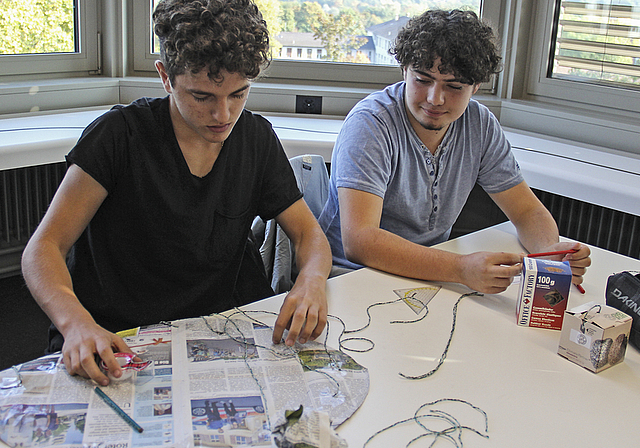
{"type": "Point", "coordinates": [437, 174]}
{"type": "Point", "coordinates": [434, 184]}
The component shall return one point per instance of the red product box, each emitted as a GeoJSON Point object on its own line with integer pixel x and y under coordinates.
{"type": "Point", "coordinates": [543, 294]}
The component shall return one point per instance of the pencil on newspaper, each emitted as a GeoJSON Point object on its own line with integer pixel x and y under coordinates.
{"type": "Point", "coordinates": [118, 410]}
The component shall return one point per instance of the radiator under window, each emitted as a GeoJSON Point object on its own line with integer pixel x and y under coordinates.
{"type": "Point", "coordinates": [25, 194]}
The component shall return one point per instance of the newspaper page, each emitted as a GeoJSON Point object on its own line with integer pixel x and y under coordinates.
{"type": "Point", "coordinates": [213, 381]}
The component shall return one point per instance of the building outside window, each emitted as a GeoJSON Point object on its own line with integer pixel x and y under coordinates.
{"type": "Point", "coordinates": [336, 30]}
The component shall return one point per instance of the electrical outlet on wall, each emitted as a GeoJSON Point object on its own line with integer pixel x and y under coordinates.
{"type": "Point", "coordinates": [308, 104]}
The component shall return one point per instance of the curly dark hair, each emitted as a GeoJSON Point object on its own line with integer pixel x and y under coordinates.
{"type": "Point", "coordinates": [466, 46]}
{"type": "Point", "coordinates": [220, 35]}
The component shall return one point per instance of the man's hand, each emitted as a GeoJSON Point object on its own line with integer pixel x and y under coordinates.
{"type": "Point", "coordinates": [81, 345]}
{"type": "Point", "coordinates": [489, 272]}
{"type": "Point", "coordinates": [304, 311]}
{"type": "Point", "coordinates": [579, 260]}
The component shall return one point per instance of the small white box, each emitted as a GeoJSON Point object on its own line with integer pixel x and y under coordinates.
{"type": "Point", "coordinates": [594, 336]}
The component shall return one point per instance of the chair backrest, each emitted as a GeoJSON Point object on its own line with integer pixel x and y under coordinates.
{"type": "Point", "coordinates": [276, 251]}
{"type": "Point", "coordinates": [313, 180]}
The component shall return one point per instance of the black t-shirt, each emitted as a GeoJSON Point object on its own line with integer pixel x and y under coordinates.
{"type": "Point", "coordinates": [166, 244]}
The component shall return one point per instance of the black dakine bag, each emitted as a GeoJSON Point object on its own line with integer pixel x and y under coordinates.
{"type": "Point", "coordinates": [623, 293]}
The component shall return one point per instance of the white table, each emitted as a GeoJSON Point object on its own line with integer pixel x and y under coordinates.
{"type": "Point", "coordinates": [533, 397]}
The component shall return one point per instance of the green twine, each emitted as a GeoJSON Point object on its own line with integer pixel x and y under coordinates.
{"type": "Point", "coordinates": [446, 349]}
{"type": "Point", "coordinates": [454, 428]}
{"type": "Point", "coordinates": [341, 339]}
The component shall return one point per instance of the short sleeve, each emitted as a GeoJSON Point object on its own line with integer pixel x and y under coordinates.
{"type": "Point", "coordinates": [100, 148]}
{"type": "Point", "coordinates": [362, 156]}
{"type": "Point", "coordinates": [499, 169]}
{"type": "Point", "coordinates": [279, 189]}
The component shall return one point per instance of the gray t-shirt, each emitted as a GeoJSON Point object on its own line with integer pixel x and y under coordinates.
{"type": "Point", "coordinates": [378, 151]}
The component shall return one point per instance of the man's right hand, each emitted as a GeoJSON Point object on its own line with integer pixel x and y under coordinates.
{"type": "Point", "coordinates": [489, 272]}
{"type": "Point", "coordinates": [81, 345]}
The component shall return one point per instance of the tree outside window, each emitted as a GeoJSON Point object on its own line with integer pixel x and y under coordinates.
{"type": "Point", "coordinates": [37, 27]}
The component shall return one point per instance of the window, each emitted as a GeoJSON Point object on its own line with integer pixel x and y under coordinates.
{"type": "Point", "coordinates": [29, 27]}
{"type": "Point", "coordinates": [589, 53]}
{"type": "Point", "coordinates": [597, 42]}
{"type": "Point", "coordinates": [144, 43]}
{"type": "Point", "coordinates": [48, 36]}
{"type": "Point", "coordinates": [366, 32]}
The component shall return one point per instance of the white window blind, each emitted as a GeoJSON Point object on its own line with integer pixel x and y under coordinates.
{"type": "Point", "coordinates": [597, 42]}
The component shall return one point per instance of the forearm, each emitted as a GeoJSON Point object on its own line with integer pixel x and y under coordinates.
{"type": "Point", "coordinates": [380, 249]}
{"type": "Point", "coordinates": [487, 272]}
{"type": "Point", "coordinates": [313, 255]}
{"type": "Point", "coordinates": [536, 227]}
{"type": "Point", "coordinates": [49, 281]}
{"type": "Point", "coordinates": [538, 231]}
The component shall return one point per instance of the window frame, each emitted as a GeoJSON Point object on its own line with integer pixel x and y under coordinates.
{"type": "Point", "coordinates": [142, 38]}
{"type": "Point", "coordinates": [565, 91]}
{"type": "Point", "coordinates": [85, 61]}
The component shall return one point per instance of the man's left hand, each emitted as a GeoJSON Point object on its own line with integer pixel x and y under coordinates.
{"type": "Point", "coordinates": [304, 311]}
{"type": "Point", "coordinates": [579, 260]}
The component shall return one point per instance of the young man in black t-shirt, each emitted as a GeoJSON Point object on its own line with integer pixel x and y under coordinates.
{"type": "Point", "coordinates": [153, 215]}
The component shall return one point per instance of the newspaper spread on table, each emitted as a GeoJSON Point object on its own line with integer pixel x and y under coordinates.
{"type": "Point", "coordinates": [214, 381]}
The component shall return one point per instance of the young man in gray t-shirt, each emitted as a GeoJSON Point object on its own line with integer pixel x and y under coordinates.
{"type": "Point", "coordinates": [407, 158]}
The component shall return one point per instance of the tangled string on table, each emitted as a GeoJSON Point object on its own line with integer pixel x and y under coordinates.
{"type": "Point", "coordinates": [447, 433]}
{"type": "Point", "coordinates": [342, 339]}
